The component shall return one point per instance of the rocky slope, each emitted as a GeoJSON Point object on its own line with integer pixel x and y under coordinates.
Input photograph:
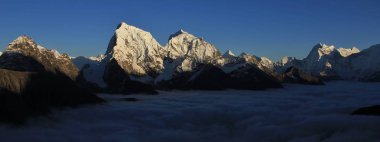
{"type": "Point", "coordinates": [34, 79]}
{"type": "Point", "coordinates": [294, 75]}
{"type": "Point", "coordinates": [23, 54]}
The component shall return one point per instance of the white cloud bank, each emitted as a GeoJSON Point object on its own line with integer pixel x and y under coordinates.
{"type": "Point", "coordinates": [296, 114]}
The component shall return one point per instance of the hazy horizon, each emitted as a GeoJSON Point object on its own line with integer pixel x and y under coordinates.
{"type": "Point", "coordinates": [272, 28]}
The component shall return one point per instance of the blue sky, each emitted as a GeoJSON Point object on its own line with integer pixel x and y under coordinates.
{"type": "Point", "coordinates": [271, 28]}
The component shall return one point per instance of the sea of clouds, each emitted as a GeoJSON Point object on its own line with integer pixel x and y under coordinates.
{"type": "Point", "coordinates": [297, 113]}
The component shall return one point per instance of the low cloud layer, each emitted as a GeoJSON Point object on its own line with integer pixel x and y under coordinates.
{"type": "Point", "coordinates": [297, 113]}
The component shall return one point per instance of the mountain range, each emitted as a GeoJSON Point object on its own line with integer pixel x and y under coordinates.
{"type": "Point", "coordinates": [34, 78]}
{"type": "Point", "coordinates": [134, 57]}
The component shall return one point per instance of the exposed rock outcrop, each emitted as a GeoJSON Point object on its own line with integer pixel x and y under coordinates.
{"type": "Point", "coordinates": [34, 79]}
{"type": "Point", "coordinates": [23, 54]}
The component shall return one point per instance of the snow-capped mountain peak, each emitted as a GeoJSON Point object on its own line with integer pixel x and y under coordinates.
{"type": "Point", "coordinates": [229, 54]}
{"type": "Point", "coordinates": [26, 55]}
{"type": "Point", "coordinates": [319, 51]}
{"type": "Point", "coordinates": [183, 44]}
{"type": "Point", "coordinates": [181, 32]}
{"type": "Point", "coordinates": [22, 42]}
{"type": "Point", "coordinates": [322, 50]}
{"type": "Point", "coordinates": [135, 50]}
{"type": "Point", "coordinates": [22, 39]}
{"type": "Point", "coordinates": [98, 58]}
{"type": "Point", "coordinates": [285, 60]}
{"type": "Point", "coordinates": [345, 52]}
{"type": "Point", "coordinates": [242, 55]}
{"type": "Point", "coordinates": [25, 44]}
{"type": "Point", "coordinates": [329, 62]}
{"type": "Point", "coordinates": [265, 62]}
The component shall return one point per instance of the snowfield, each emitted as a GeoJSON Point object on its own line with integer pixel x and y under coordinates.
{"type": "Point", "coordinates": [297, 113]}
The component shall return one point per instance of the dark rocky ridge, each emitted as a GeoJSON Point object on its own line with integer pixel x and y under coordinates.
{"type": "Point", "coordinates": [33, 80]}
{"type": "Point", "coordinates": [28, 93]}
{"type": "Point", "coordinates": [118, 81]}
{"type": "Point", "coordinates": [294, 75]}
{"type": "Point", "coordinates": [211, 77]}
{"type": "Point", "coordinates": [23, 54]}
{"type": "Point", "coordinates": [371, 110]}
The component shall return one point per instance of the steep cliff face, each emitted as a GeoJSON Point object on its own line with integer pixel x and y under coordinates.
{"type": "Point", "coordinates": [135, 51]}
{"type": "Point", "coordinates": [132, 61]}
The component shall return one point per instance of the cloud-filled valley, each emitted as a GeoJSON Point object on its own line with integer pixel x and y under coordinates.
{"type": "Point", "coordinates": [219, 80]}
{"type": "Point", "coordinates": [296, 113]}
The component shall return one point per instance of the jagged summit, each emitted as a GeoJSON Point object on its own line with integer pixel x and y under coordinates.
{"type": "Point", "coordinates": [124, 25]}
{"type": "Point", "coordinates": [182, 34]}
{"type": "Point", "coordinates": [265, 62]}
{"type": "Point", "coordinates": [22, 39]}
{"type": "Point", "coordinates": [331, 63]}
{"type": "Point", "coordinates": [135, 50]}
{"type": "Point", "coordinates": [127, 33]}
{"type": "Point", "coordinates": [21, 42]}
{"type": "Point", "coordinates": [229, 54]}
{"type": "Point", "coordinates": [23, 54]}
{"type": "Point", "coordinates": [182, 31]}
{"type": "Point", "coordinates": [184, 44]}
{"type": "Point", "coordinates": [25, 44]}
{"type": "Point", "coordinates": [345, 52]}
{"type": "Point", "coordinates": [97, 58]}
{"type": "Point", "coordinates": [320, 51]}
{"type": "Point", "coordinates": [285, 60]}
{"type": "Point", "coordinates": [243, 54]}
{"type": "Point", "coordinates": [324, 48]}
{"type": "Point", "coordinates": [322, 45]}
{"type": "Point", "coordinates": [179, 32]}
